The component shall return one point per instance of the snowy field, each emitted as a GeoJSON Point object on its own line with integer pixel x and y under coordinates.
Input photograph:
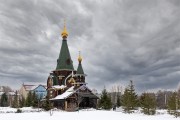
{"type": "Point", "coordinates": [32, 114]}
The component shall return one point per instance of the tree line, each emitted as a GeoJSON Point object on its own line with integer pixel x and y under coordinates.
{"type": "Point", "coordinates": [32, 100]}
{"type": "Point", "coordinates": [129, 101]}
{"type": "Point", "coordinates": [148, 102]}
{"type": "Point", "coordinates": [18, 102]}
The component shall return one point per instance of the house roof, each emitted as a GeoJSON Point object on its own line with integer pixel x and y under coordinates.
{"type": "Point", "coordinates": [28, 87]}
{"type": "Point", "coordinates": [9, 93]}
{"type": "Point", "coordinates": [12, 93]}
{"type": "Point", "coordinates": [32, 87]}
{"type": "Point", "coordinates": [1, 93]}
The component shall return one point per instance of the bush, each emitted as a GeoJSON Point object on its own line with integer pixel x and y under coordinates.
{"type": "Point", "coordinates": [19, 111]}
{"type": "Point", "coordinates": [149, 111]}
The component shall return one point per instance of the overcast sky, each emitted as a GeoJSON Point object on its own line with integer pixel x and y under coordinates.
{"type": "Point", "coordinates": [120, 40]}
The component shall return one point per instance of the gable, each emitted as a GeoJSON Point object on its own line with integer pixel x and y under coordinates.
{"type": "Point", "coordinates": [40, 88]}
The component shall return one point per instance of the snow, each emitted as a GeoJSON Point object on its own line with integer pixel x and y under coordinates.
{"type": "Point", "coordinates": [66, 94]}
{"type": "Point", "coordinates": [71, 89]}
{"type": "Point", "coordinates": [87, 114]}
{"type": "Point", "coordinates": [59, 87]}
{"type": "Point", "coordinates": [69, 92]}
{"type": "Point", "coordinates": [1, 93]}
{"type": "Point", "coordinates": [13, 110]}
{"type": "Point", "coordinates": [7, 110]}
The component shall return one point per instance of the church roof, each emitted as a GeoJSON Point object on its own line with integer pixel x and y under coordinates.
{"type": "Point", "coordinates": [80, 69]}
{"type": "Point", "coordinates": [73, 90]}
{"type": "Point", "coordinates": [66, 94]}
{"type": "Point", "coordinates": [64, 61]}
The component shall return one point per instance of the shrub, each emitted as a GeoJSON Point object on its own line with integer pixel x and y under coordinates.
{"type": "Point", "coordinates": [19, 111]}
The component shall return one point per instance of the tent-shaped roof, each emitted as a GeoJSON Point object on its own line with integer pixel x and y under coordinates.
{"type": "Point", "coordinates": [64, 61]}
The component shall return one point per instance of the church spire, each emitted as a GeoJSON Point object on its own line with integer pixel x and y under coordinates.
{"type": "Point", "coordinates": [80, 69]}
{"type": "Point", "coordinates": [64, 33]}
{"type": "Point", "coordinates": [64, 61]}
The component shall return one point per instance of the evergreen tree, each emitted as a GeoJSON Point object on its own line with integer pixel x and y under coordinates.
{"type": "Point", "coordinates": [4, 100]}
{"type": "Point", "coordinates": [105, 100]}
{"type": "Point", "coordinates": [118, 101]}
{"type": "Point", "coordinates": [129, 98]}
{"type": "Point", "coordinates": [22, 102]}
{"type": "Point", "coordinates": [173, 102]}
{"type": "Point", "coordinates": [34, 100]}
{"type": "Point", "coordinates": [148, 103]}
{"type": "Point", "coordinates": [29, 100]}
{"type": "Point", "coordinates": [15, 101]}
{"type": "Point", "coordinates": [47, 104]}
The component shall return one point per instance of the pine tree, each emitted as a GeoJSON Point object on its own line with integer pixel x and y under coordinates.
{"type": "Point", "coordinates": [47, 104]}
{"type": "Point", "coordinates": [29, 100]}
{"type": "Point", "coordinates": [22, 102]}
{"type": "Point", "coordinates": [172, 103]}
{"type": "Point", "coordinates": [34, 100]}
{"type": "Point", "coordinates": [129, 98]}
{"type": "Point", "coordinates": [4, 100]}
{"type": "Point", "coordinates": [148, 103]}
{"type": "Point", "coordinates": [15, 101]}
{"type": "Point", "coordinates": [105, 101]}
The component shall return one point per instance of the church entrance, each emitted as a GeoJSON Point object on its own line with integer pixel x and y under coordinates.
{"type": "Point", "coordinates": [87, 103]}
{"type": "Point", "coordinates": [84, 103]}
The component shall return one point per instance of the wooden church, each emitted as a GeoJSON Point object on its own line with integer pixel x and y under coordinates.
{"type": "Point", "coordinates": [66, 87]}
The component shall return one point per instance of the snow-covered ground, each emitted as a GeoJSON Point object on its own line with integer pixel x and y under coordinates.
{"type": "Point", "coordinates": [90, 114]}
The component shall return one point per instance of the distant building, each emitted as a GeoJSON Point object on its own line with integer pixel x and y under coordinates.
{"type": "Point", "coordinates": [24, 90]}
{"type": "Point", "coordinates": [40, 90]}
{"type": "Point", "coordinates": [10, 96]}
{"type": "Point", "coordinates": [9, 93]}
{"type": "Point", "coordinates": [66, 87]}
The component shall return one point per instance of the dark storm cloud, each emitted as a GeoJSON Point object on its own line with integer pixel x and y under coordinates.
{"type": "Point", "coordinates": [120, 41]}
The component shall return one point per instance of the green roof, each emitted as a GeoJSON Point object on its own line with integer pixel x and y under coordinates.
{"type": "Point", "coordinates": [64, 61]}
{"type": "Point", "coordinates": [80, 69]}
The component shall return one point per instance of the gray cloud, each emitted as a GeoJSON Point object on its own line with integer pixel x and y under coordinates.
{"type": "Point", "coordinates": [120, 41]}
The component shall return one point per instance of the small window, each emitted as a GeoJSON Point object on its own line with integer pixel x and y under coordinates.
{"type": "Point", "coordinates": [68, 61]}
